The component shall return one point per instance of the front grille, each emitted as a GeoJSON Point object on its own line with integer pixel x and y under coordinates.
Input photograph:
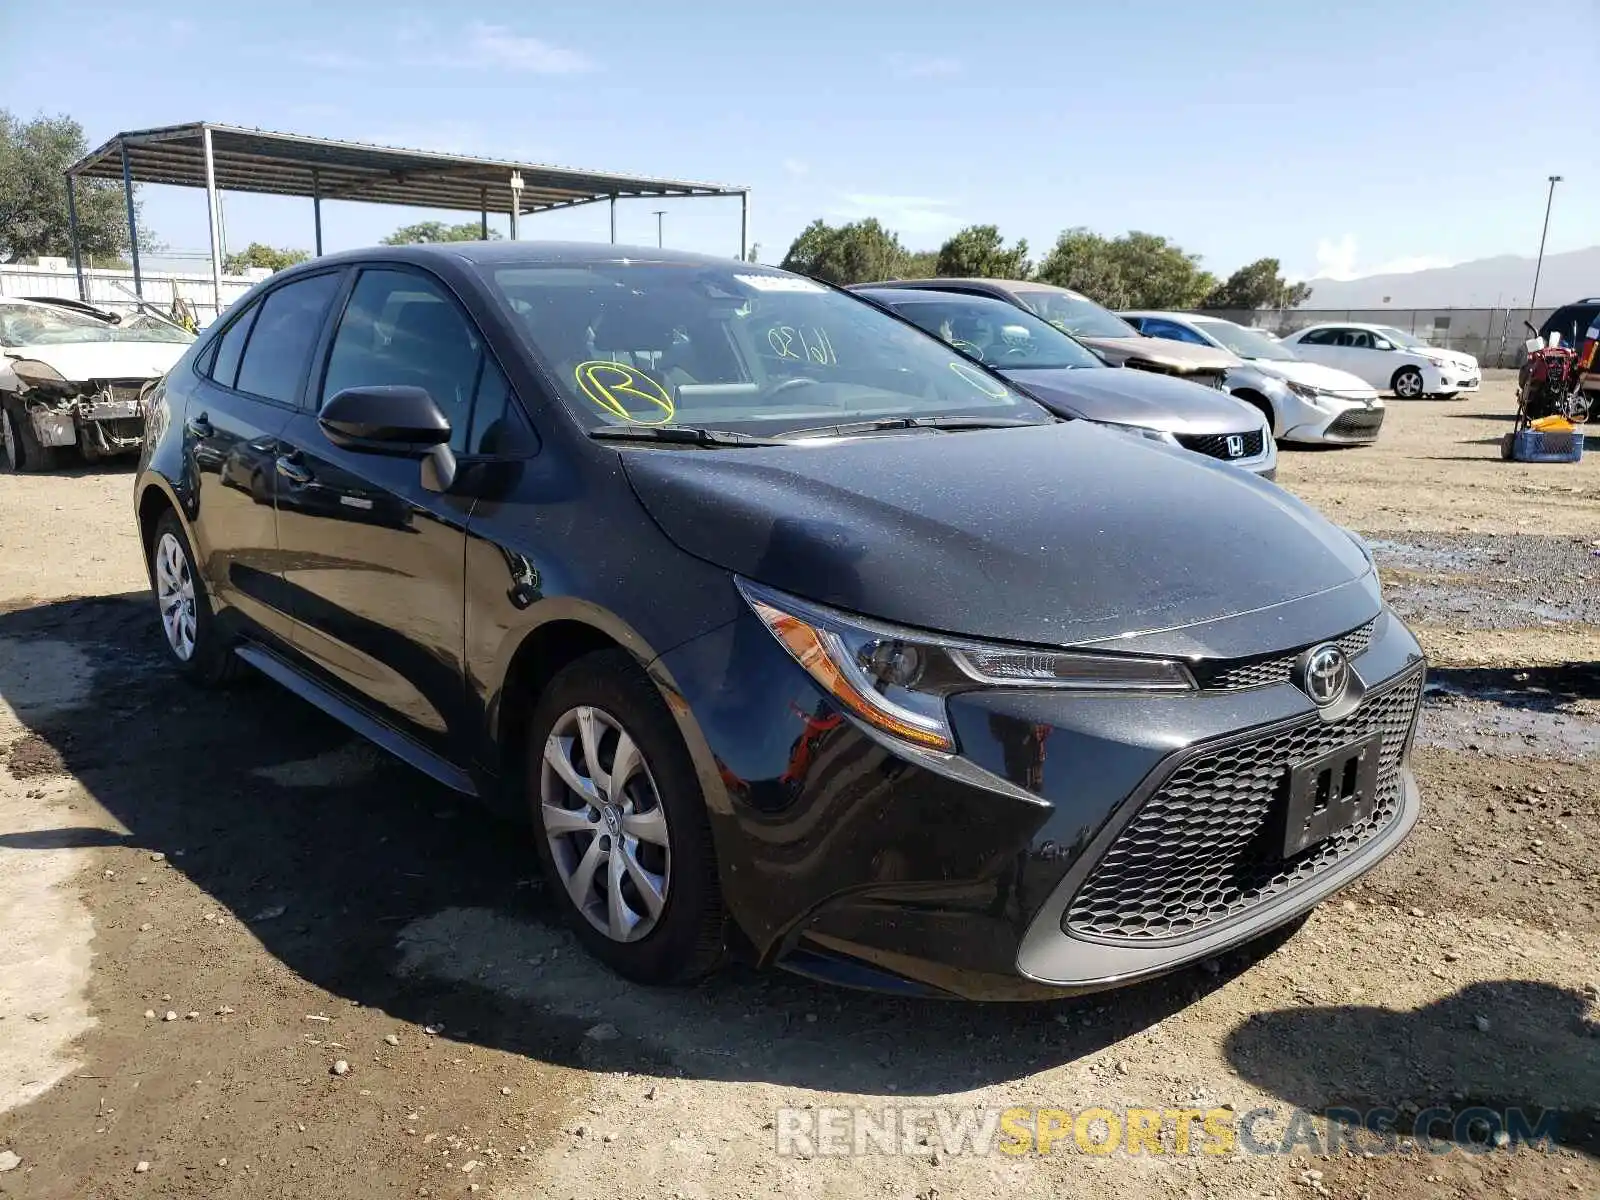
{"type": "Point", "coordinates": [1358, 422]}
{"type": "Point", "coordinates": [1202, 848]}
{"type": "Point", "coordinates": [1216, 444]}
{"type": "Point", "coordinates": [1235, 674]}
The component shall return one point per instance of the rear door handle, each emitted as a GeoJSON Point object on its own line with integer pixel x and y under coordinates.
{"type": "Point", "coordinates": [201, 426]}
{"type": "Point", "coordinates": [291, 468]}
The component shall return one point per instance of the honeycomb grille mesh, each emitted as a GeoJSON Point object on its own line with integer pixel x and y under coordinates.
{"type": "Point", "coordinates": [1204, 847]}
{"type": "Point", "coordinates": [1358, 422]}
{"type": "Point", "coordinates": [1216, 444]}
{"type": "Point", "coordinates": [1233, 677]}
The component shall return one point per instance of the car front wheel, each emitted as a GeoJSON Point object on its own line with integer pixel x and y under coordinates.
{"type": "Point", "coordinates": [23, 451]}
{"type": "Point", "coordinates": [1407, 383]}
{"type": "Point", "coordinates": [620, 823]}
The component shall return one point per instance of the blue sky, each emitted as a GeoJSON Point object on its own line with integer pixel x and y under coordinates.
{"type": "Point", "coordinates": [1342, 138]}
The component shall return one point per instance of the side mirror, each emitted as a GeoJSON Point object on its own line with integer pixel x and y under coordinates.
{"type": "Point", "coordinates": [385, 419]}
{"type": "Point", "coordinates": [1380, 344]}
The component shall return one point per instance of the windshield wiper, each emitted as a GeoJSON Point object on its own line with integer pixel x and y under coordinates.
{"type": "Point", "coordinates": [679, 435]}
{"type": "Point", "coordinates": [849, 428]}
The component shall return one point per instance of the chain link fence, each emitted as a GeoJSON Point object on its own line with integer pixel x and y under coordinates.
{"type": "Point", "coordinates": [1493, 336]}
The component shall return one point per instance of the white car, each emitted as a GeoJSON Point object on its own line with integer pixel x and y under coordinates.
{"type": "Point", "coordinates": [74, 375]}
{"type": "Point", "coordinates": [1307, 401]}
{"type": "Point", "coordinates": [1388, 358]}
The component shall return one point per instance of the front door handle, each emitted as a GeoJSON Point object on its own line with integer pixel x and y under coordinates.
{"type": "Point", "coordinates": [201, 426]}
{"type": "Point", "coordinates": [292, 469]}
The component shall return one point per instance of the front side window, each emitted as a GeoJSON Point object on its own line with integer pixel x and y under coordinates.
{"type": "Point", "coordinates": [403, 328]}
{"type": "Point", "coordinates": [997, 334]}
{"type": "Point", "coordinates": [746, 349]}
{"type": "Point", "coordinates": [283, 335]}
{"type": "Point", "coordinates": [1401, 338]}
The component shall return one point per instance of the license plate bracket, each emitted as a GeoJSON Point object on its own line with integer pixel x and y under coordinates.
{"type": "Point", "coordinates": [1330, 793]}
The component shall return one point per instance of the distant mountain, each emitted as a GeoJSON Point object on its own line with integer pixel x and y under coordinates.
{"type": "Point", "coordinates": [1481, 283]}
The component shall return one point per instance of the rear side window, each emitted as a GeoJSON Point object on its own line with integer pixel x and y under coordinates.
{"type": "Point", "coordinates": [1321, 337]}
{"type": "Point", "coordinates": [230, 347]}
{"type": "Point", "coordinates": [283, 337]}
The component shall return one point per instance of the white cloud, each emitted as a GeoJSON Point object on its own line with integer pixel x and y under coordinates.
{"type": "Point", "coordinates": [330, 60]}
{"type": "Point", "coordinates": [922, 66]}
{"type": "Point", "coordinates": [1337, 260]}
{"type": "Point", "coordinates": [913, 217]}
{"type": "Point", "coordinates": [795, 167]}
{"type": "Point", "coordinates": [497, 46]}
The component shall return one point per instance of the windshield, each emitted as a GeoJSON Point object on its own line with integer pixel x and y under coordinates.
{"type": "Point", "coordinates": [749, 350]}
{"type": "Point", "coordinates": [1076, 314]}
{"type": "Point", "coordinates": [1246, 343]}
{"type": "Point", "coordinates": [1401, 338]}
{"type": "Point", "coordinates": [996, 333]}
{"type": "Point", "coordinates": [41, 325]}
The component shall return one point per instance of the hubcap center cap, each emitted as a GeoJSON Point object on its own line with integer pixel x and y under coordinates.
{"type": "Point", "coordinates": [612, 819]}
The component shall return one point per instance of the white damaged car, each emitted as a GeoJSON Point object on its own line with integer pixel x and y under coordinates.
{"type": "Point", "coordinates": [75, 376]}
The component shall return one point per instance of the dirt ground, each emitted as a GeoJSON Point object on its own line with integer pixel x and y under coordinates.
{"type": "Point", "coordinates": [209, 903]}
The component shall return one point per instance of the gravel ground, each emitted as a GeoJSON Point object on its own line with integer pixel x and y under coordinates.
{"type": "Point", "coordinates": [295, 901]}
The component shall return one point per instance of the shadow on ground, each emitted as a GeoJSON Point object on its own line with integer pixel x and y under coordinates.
{"type": "Point", "coordinates": [1489, 1048]}
{"type": "Point", "coordinates": [375, 884]}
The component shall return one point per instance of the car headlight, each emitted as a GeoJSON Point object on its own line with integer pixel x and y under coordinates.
{"type": "Point", "coordinates": [1438, 362]}
{"type": "Point", "coordinates": [1144, 431]}
{"type": "Point", "coordinates": [896, 679]}
{"type": "Point", "coordinates": [1304, 390]}
{"type": "Point", "coordinates": [31, 370]}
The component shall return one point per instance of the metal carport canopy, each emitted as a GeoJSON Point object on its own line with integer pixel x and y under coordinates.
{"type": "Point", "coordinates": [235, 159]}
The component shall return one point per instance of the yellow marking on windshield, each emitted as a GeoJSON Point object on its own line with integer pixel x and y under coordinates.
{"type": "Point", "coordinates": [979, 380]}
{"type": "Point", "coordinates": [614, 386]}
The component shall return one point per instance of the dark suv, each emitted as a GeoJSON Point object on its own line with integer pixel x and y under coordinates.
{"type": "Point", "coordinates": [790, 629]}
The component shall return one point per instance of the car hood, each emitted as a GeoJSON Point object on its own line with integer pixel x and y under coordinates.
{"type": "Point", "coordinates": [1058, 536]}
{"type": "Point", "coordinates": [1137, 398]}
{"type": "Point", "coordinates": [1466, 360]}
{"type": "Point", "coordinates": [1315, 375]}
{"type": "Point", "coordinates": [1162, 352]}
{"type": "Point", "coordinates": [79, 362]}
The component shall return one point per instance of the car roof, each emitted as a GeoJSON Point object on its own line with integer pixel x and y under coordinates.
{"type": "Point", "coordinates": [925, 295]}
{"type": "Point", "coordinates": [1164, 315]}
{"type": "Point", "coordinates": [946, 282]}
{"type": "Point", "coordinates": [509, 253]}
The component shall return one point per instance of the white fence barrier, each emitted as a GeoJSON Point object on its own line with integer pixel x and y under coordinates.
{"type": "Point", "coordinates": [111, 288]}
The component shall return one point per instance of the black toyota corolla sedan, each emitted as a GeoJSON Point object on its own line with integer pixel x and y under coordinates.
{"type": "Point", "coordinates": [793, 632]}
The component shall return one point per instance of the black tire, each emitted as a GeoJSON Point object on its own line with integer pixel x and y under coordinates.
{"type": "Point", "coordinates": [1261, 404]}
{"type": "Point", "coordinates": [1407, 383]}
{"type": "Point", "coordinates": [28, 454]}
{"type": "Point", "coordinates": [688, 938]}
{"type": "Point", "coordinates": [212, 662]}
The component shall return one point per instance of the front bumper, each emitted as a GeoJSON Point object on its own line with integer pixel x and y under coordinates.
{"type": "Point", "coordinates": [848, 859]}
{"type": "Point", "coordinates": [1338, 421]}
{"type": "Point", "coordinates": [1452, 379]}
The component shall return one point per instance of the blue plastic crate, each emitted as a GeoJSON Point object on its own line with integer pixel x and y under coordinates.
{"type": "Point", "coordinates": [1535, 446]}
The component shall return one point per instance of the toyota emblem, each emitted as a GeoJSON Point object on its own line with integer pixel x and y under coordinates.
{"type": "Point", "coordinates": [1235, 445]}
{"type": "Point", "coordinates": [1324, 674]}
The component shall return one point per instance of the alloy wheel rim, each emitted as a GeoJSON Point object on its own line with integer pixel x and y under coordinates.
{"type": "Point", "coordinates": [605, 825]}
{"type": "Point", "coordinates": [1410, 383]}
{"type": "Point", "coordinates": [175, 596]}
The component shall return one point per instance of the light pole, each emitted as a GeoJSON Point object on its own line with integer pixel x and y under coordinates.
{"type": "Point", "coordinates": [1533, 296]}
{"type": "Point", "coordinates": [660, 212]}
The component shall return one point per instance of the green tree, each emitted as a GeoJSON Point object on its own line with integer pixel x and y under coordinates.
{"type": "Point", "coordinates": [258, 254]}
{"type": "Point", "coordinates": [1136, 270]}
{"type": "Point", "coordinates": [919, 264]}
{"type": "Point", "coordinates": [1086, 262]}
{"type": "Point", "coordinates": [34, 157]}
{"type": "Point", "coordinates": [438, 231]}
{"type": "Point", "coordinates": [1258, 285]}
{"type": "Point", "coordinates": [979, 250]}
{"type": "Point", "coordinates": [859, 252]}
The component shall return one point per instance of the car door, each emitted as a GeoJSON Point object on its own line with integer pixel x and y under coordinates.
{"type": "Point", "coordinates": [1322, 346]}
{"type": "Point", "coordinates": [243, 398]}
{"type": "Point", "coordinates": [373, 560]}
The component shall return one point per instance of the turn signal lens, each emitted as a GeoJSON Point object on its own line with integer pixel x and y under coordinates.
{"type": "Point", "coordinates": [824, 656]}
